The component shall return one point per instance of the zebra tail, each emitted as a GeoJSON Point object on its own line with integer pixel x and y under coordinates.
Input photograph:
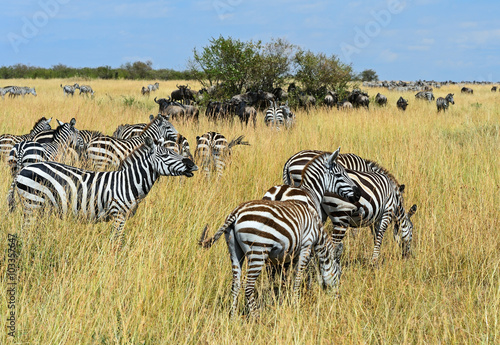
{"type": "Point", "coordinates": [238, 141]}
{"type": "Point", "coordinates": [208, 242]}
{"type": "Point", "coordinates": [11, 198]}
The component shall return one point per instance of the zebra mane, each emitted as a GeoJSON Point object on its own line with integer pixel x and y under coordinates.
{"type": "Point", "coordinates": [376, 167]}
{"type": "Point", "coordinates": [134, 154]}
{"type": "Point", "coordinates": [316, 158]}
{"type": "Point", "coordinates": [39, 120]}
{"type": "Point", "coordinates": [147, 126]}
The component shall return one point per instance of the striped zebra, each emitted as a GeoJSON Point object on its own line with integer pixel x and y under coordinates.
{"type": "Point", "coordinates": [7, 141]}
{"type": "Point", "coordinates": [4, 91]}
{"type": "Point", "coordinates": [70, 89]}
{"type": "Point", "coordinates": [284, 232]}
{"type": "Point", "coordinates": [380, 204]}
{"type": "Point", "coordinates": [29, 152]}
{"type": "Point", "coordinates": [212, 151]}
{"type": "Point", "coordinates": [180, 146]}
{"type": "Point", "coordinates": [274, 116]}
{"type": "Point", "coordinates": [127, 131]}
{"type": "Point", "coordinates": [86, 89]}
{"type": "Point", "coordinates": [97, 196]}
{"type": "Point", "coordinates": [15, 91]}
{"type": "Point", "coordinates": [154, 87]}
{"type": "Point", "coordinates": [108, 151]}
{"type": "Point", "coordinates": [444, 103]}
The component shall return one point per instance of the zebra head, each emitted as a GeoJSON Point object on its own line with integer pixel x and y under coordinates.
{"type": "Point", "coordinates": [165, 129]}
{"type": "Point", "coordinates": [404, 223]}
{"type": "Point", "coordinates": [332, 270]}
{"type": "Point", "coordinates": [66, 133]}
{"type": "Point", "coordinates": [168, 163]}
{"type": "Point", "coordinates": [337, 180]}
{"type": "Point", "coordinates": [449, 98]}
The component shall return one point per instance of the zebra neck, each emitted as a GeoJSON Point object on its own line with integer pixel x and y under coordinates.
{"type": "Point", "coordinates": [313, 183]}
{"type": "Point", "coordinates": [140, 175]}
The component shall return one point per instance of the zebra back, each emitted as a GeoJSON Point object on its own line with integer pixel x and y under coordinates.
{"type": "Point", "coordinates": [274, 116]}
{"type": "Point", "coordinates": [180, 146]}
{"type": "Point", "coordinates": [7, 141]}
{"type": "Point", "coordinates": [127, 131]}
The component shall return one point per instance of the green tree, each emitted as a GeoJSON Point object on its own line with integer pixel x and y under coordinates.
{"type": "Point", "coordinates": [368, 75]}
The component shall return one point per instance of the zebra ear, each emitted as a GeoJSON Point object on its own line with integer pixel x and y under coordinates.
{"type": "Point", "coordinates": [72, 122]}
{"type": "Point", "coordinates": [337, 251]}
{"type": "Point", "coordinates": [48, 121]}
{"type": "Point", "coordinates": [60, 122]}
{"type": "Point", "coordinates": [333, 158]}
{"type": "Point", "coordinates": [412, 210]}
{"type": "Point", "coordinates": [151, 117]}
{"type": "Point", "coordinates": [402, 188]}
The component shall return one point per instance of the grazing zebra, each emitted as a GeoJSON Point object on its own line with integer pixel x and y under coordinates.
{"type": "Point", "coordinates": [212, 149]}
{"type": "Point", "coordinates": [444, 103]}
{"type": "Point", "coordinates": [108, 151]}
{"type": "Point", "coordinates": [15, 91]}
{"type": "Point", "coordinates": [285, 231]}
{"type": "Point", "coordinates": [98, 196]}
{"type": "Point", "coordinates": [4, 90]}
{"type": "Point", "coordinates": [29, 152]}
{"type": "Point", "coordinates": [180, 146]}
{"type": "Point", "coordinates": [7, 141]}
{"type": "Point", "coordinates": [402, 103]}
{"type": "Point", "coordinates": [154, 87]}
{"type": "Point", "coordinates": [128, 131]}
{"type": "Point", "coordinates": [86, 89]}
{"type": "Point", "coordinates": [70, 89]}
{"type": "Point", "coordinates": [380, 99]}
{"type": "Point", "coordinates": [274, 116]}
{"type": "Point", "coordinates": [428, 95]}
{"type": "Point", "coordinates": [381, 203]}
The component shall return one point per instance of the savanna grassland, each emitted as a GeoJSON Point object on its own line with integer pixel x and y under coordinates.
{"type": "Point", "coordinates": [73, 287]}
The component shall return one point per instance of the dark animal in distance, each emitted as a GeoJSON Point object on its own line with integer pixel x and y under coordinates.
{"type": "Point", "coordinates": [467, 90]}
{"type": "Point", "coordinates": [402, 103]}
{"type": "Point", "coordinates": [380, 99]}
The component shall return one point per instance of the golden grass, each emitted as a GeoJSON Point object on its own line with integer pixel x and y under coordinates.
{"type": "Point", "coordinates": [163, 289]}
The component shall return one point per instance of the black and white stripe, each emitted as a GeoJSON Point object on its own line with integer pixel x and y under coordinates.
{"type": "Point", "coordinates": [106, 151]}
{"type": "Point", "coordinates": [153, 87]}
{"type": "Point", "coordinates": [70, 89]}
{"type": "Point", "coordinates": [86, 89]}
{"type": "Point", "coordinates": [444, 103]}
{"type": "Point", "coordinates": [180, 146]}
{"type": "Point", "coordinates": [212, 151]}
{"type": "Point", "coordinates": [7, 141]}
{"type": "Point", "coordinates": [15, 91]}
{"type": "Point", "coordinates": [380, 204]}
{"type": "Point", "coordinates": [284, 232]}
{"type": "Point", "coordinates": [127, 131]}
{"type": "Point", "coordinates": [274, 116]}
{"type": "Point", "coordinates": [97, 196]}
{"type": "Point", "coordinates": [29, 152]}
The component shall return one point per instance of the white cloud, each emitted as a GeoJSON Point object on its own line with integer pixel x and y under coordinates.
{"type": "Point", "coordinates": [468, 25]}
{"type": "Point", "coordinates": [388, 55]}
{"type": "Point", "coordinates": [428, 41]}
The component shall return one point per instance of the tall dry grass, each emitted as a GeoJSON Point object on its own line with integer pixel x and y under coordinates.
{"type": "Point", "coordinates": [73, 288]}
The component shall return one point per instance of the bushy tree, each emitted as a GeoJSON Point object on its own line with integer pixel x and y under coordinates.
{"type": "Point", "coordinates": [368, 75]}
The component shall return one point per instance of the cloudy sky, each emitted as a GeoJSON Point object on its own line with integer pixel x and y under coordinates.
{"type": "Point", "coordinates": [407, 40]}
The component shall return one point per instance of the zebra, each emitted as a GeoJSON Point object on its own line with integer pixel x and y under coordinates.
{"type": "Point", "coordinates": [29, 152]}
{"type": "Point", "coordinates": [285, 231]}
{"type": "Point", "coordinates": [4, 90]}
{"type": "Point", "coordinates": [274, 116]}
{"type": "Point", "coordinates": [428, 95]}
{"type": "Point", "coordinates": [154, 87]}
{"type": "Point", "coordinates": [7, 141]}
{"type": "Point", "coordinates": [97, 196]}
{"type": "Point", "coordinates": [444, 103]}
{"type": "Point", "coordinates": [15, 91]}
{"type": "Point", "coordinates": [86, 89]}
{"type": "Point", "coordinates": [145, 90]}
{"type": "Point", "coordinates": [288, 115]}
{"type": "Point", "coordinates": [108, 151]}
{"type": "Point", "coordinates": [212, 149]}
{"type": "Point", "coordinates": [128, 131]}
{"type": "Point", "coordinates": [70, 89]}
{"type": "Point", "coordinates": [380, 204]}
{"type": "Point", "coordinates": [180, 146]}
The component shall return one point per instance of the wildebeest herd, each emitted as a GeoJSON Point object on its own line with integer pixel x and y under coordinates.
{"type": "Point", "coordinates": [284, 228]}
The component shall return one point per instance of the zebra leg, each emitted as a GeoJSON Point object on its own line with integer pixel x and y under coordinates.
{"type": "Point", "coordinates": [237, 258]}
{"type": "Point", "coordinates": [380, 229]}
{"type": "Point", "coordinates": [118, 224]}
{"type": "Point", "coordinates": [338, 233]}
{"type": "Point", "coordinates": [304, 257]}
{"type": "Point", "coordinates": [256, 262]}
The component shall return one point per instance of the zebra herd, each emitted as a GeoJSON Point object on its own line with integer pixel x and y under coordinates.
{"type": "Point", "coordinates": [15, 91]}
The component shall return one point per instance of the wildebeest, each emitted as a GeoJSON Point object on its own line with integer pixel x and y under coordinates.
{"type": "Point", "coordinates": [467, 90]}
{"type": "Point", "coordinates": [246, 112]}
{"type": "Point", "coordinates": [358, 99]}
{"type": "Point", "coordinates": [177, 110]}
{"type": "Point", "coordinates": [444, 103]}
{"type": "Point", "coordinates": [249, 98]}
{"type": "Point", "coordinates": [428, 95]}
{"type": "Point", "coordinates": [331, 98]}
{"type": "Point", "coordinates": [402, 103]}
{"type": "Point", "coordinates": [306, 100]}
{"type": "Point", "coordinates": [380, 99]}
{"type": "Point", "coordinates": [280, 94]}
{"type": "Point", "coordinates": [183, 94]}
{"type": "Point", "coordinates": [344, 105]}
{"type": "Point", "coordinates": [494, 89]}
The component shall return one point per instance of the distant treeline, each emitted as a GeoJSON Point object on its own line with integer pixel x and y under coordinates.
{"type": "Point", "coordinates": [137, 70]}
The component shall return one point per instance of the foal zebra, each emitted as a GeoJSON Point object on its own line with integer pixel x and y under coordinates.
{"type": "Point", "coordinates": [285, 231]}
{"type": "Point", "coordinates": [381, 203]}
{"type": "Point", "coordinates": [70, 89]}
{"type": "Point", "coordinates": [212, 149]}
{"type": "Point", "coordinates": [108, 151]}
{"type": "Point", "coordinates": [444, 103]}
{"type": "Point", "coordinates": [86, 89]}
{"type": "Point", "coordinates": [29, 152]}
{"type": "Point", "coordinates": [97, 196]}
{"type": "Point", "coordinates": [7, 141]}
{"type": "Point", "coordinates": [128, 131]}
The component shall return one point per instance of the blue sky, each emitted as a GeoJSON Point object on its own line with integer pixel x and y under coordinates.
{"type": "Point", "coordinates": [400, 40]}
